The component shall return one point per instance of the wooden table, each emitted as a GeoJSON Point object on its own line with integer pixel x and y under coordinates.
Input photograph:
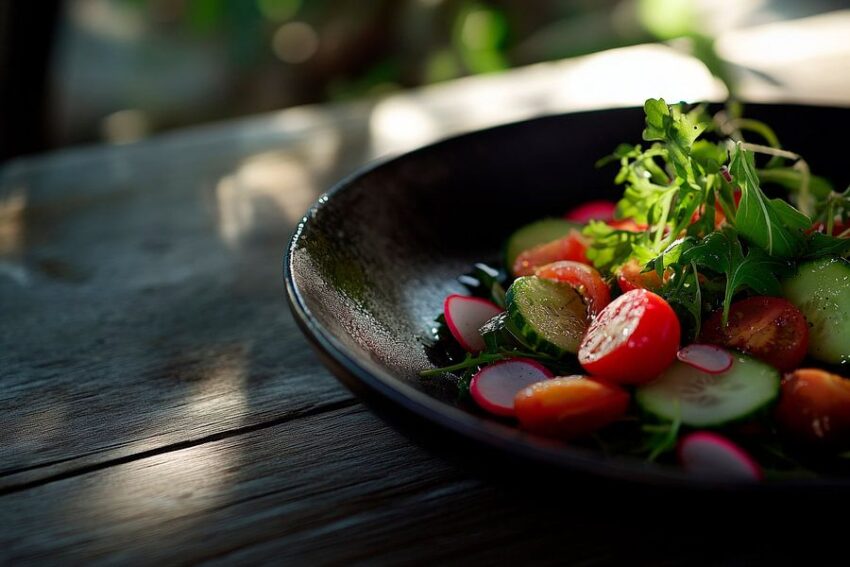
{"type": "Point", "coordinates": [158, 403]}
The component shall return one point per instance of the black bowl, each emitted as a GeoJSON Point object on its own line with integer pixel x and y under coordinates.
{"type": "Point", "coordinates": [369, 266]}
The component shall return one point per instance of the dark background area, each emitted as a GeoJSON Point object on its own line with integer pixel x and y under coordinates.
{"type": "Point", "coordinates": [82, 71]}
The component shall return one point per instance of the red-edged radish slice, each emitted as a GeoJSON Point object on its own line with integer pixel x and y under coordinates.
{"type": "Point", "coordinates": [713, 456]}
{"type": "Point", "coordinates": [495, 387]}
{"type": "Point", "coordinates": [592, 210]}
{"type": "Point", "coordinates": [465, 315]}
{"type": "Point", "coordinates": [708, 358]}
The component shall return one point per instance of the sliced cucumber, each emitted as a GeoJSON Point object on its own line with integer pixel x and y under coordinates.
{"type": "Point", "coordinates": [539, 232]}
{"type": "Point", "coordinates": [548, 316]}
{"type": "Point", "coordinates": [700, 399]}
{"type": "Point", "coordinates": [821, 290]}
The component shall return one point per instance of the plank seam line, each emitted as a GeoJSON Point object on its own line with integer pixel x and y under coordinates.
{"type": "Point", "coordinates": [187, 444]}
{"type": "Point", "coordinates": [52, 463]}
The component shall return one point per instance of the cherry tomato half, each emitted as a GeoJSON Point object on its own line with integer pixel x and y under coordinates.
{"type": "Point", "coordinates": [814, 407]}
{"type": "Point", "coordinates": [569, 407]}
{"type": "Point", "coordinates": [584, 278]}
{"type": "Point", "coordinates": [631, 276]}
{"type": "Point", "coordinates": [571, 247]}
{"type": "Point", "coordinates": [632, 340]}
{"type": "Point", "coordinates": [768, 328]}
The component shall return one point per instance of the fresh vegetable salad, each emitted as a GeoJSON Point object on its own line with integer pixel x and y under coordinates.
{"type": "Point", "coordinates": [696, 321]}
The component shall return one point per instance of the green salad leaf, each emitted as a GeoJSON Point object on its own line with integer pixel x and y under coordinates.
{"type": "Point", "coordinates": [677, 130]}
{"type": "Point", "coordinates": [708, 231]}
{"type": "Point", "coordinates": [722, 252]}
{"type": "Point", "coordinates": [772, 224]}
{"type": "Point", "coordinates": [820, 245]}
{"type": "Point", "coordinates": [610, 247]}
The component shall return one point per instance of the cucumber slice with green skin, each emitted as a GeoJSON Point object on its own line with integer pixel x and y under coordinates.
{"type": "Point", "coordinates": [549, 316]}
{"type": "Point", "coordinates": [539, 232]}
{"type": "Point", "coordinates": [821, 290]}
{"type": "Point", "coordinates": [701, 399]}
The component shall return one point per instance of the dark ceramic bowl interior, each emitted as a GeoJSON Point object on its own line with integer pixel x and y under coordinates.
{"type": "Point", "coordinates": [368, 268]}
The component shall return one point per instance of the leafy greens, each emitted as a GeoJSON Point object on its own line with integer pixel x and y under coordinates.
{"type": "Point", "coordinates": [710, 231]}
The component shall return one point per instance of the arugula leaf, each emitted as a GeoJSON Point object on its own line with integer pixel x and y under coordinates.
{"type": "Point", "coordinates": [686, 297]}
{"type": "Point", "coordinates": [671, 255]}
{"type": "Point", "coordinates": [667, 199]}
{"type": "Point", "coordinates": [463, 383]}
{"type": "Point", "coordinates": [721, 252]}
{"type": "Point", "coordinates": [620, 152]}
{"type": "Point", "coordinates": [609, 246]}
{"type": "Point", "coordinates": [644, 201]}
{"type": "Point", "coordinates": [677, 130]}
{"type": "Point", "coordinates": [470, 361]}
{"type": "Point", "coordinates": [709, 155]}
{"type": "Point", "coordinates": [662, 438]}
{"type": "Point", "coordinates": [820, 245]}
{"type": "Point", "coordinates": [643, 177]}
{"type": "Point", "coordinates": [656, 112]}
{"type": "Point", "coordinates": [772, 225]}
{"type": "Point", "coordinates": [439, 332]}
{"type": "Point", "coordinates": [682, 288]}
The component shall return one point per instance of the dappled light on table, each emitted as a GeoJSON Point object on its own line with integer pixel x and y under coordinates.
{"type": "Point", "coordinates": [805, 60]}
{"type": "Point", "coordinates": [616, 78]}
{"type": "Point", "coordinates": [629, 76]}
{"type": "Point", "coordinates": [272, 188]}
{"type": "Point", "coordinates": [134, 497]}
{"type": "Point", "coordinates": [12, 206]}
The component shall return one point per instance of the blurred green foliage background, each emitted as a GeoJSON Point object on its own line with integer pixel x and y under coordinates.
{"type": "Point", "coordinates": [123, 69]}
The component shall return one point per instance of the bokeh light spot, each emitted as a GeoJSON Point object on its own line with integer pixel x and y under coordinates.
{"type": "Point", "coordinates": [667, 19]}
{"type": "Point", "coordinates": [295, 42]}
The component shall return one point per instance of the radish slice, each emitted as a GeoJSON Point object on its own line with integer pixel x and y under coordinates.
{"type": "Point", "coordinates": [465, 315]}
{"type": "Point", "coordinates": [592, 210]}
{"type": "Point", "coordinates": [707, 358]}
{"type": "Point", "coordinates": [710, 455]}
{"type": "Point", "coordinates": [495, 387]}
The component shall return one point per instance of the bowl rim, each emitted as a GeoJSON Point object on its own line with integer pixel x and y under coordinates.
{"type": "Point", "coordinates": [478, 429]}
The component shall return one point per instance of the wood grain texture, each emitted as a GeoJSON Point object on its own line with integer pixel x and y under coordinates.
{"type": "Point", "coordinates": [340, 487]}
{"type": "Point", "coordinates": [141, 295]}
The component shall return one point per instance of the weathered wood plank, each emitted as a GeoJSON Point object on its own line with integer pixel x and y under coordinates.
{"type": "Point", "coordinates": [340, 487]}
{"type": "Point", "coordinates": [310, 469]}
{"type": "Point", "coordinates": [141, 301]}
